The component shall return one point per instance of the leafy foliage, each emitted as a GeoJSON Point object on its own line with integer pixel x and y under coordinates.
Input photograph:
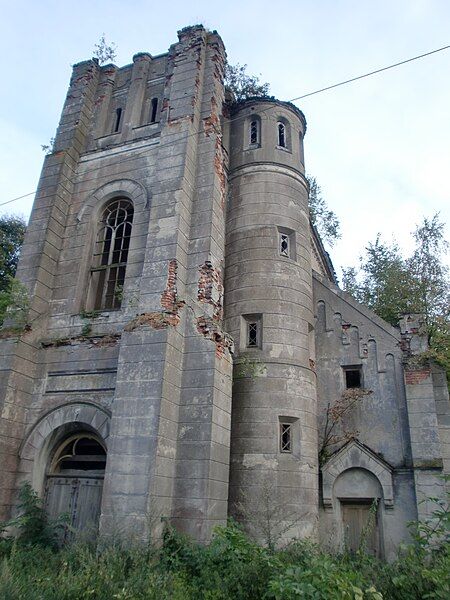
{"type": "Point", "coordinates": [13, 295]}
{"type": "Point", "coordinates": [105, 52]}
{"type": "Point", "coordinates": [324, 219]}
{"type": "Point", "coordinates": [241, 85]}
{"type": "Point", "coordinates": [12, 232]}
{"type": "Point", "coordinates": [32, 525]}
{"type": "Point", "coordinates": [15, 303]}
{"type": "Point", "coordinates": [231, 567]}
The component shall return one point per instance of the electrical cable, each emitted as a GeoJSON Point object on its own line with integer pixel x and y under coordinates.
{"type": "Point", "coordinates": [324, 89]}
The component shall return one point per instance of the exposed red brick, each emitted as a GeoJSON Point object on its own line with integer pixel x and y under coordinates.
{"type": "Point", "coordinates": [97, 341]}
{"type": "Point", "coordinates": [220, 171]}
{"type": "Point", "coordinates": [156, 320]}
{"type": "Point", "coordinates": [212, 331]}
{"type": "Point", "coordinates": [169, 301]}
{"type": "Point", "coordinates": [169, 298]}
{"type": "Point", "coordinates": [417, 376]}
{"type": "Point", "coordinates": [211, 280]}
{"type": "Point", "coordinates": [100, 99]}
{"type": "Point", "coordinates": [211, 124]}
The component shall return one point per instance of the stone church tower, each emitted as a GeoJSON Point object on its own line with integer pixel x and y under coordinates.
{"type": "Point", "coordinates": [186, 332]}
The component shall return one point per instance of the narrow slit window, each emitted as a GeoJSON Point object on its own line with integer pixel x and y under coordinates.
{"type": "Point", "coordinates": [111, 255]}
{"type": "Point", "coordinates": [253, 334]}
{"type": "Point", "coordinates": [281, 135]}
{"type": "Point", "coordinates": [286, 437]}
{"type": "Point", "coordinates": [117, 120]}
{"type": "Point", "coordinates": [254, 133]}
{"type": "Point", "coordinates": [153, 110]}
{"type": "Point", "coordinates": [285, 245]}
{"type": "Point", "coordinates": [353, 378]}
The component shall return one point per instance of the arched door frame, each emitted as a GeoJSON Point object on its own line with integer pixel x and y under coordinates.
{"type": "Point", "coordinates": [51, 429]}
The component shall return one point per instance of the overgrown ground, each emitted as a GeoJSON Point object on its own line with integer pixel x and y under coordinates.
{"type": "Point", "coordinates": [232, 567]}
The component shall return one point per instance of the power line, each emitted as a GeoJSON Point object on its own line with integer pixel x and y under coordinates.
{"type": "Point", "coordinates": [403, 62]}
{"type": "Point", "coordinates": [18, 198]}
{"type": "Point", "coordinates": [319, 91]}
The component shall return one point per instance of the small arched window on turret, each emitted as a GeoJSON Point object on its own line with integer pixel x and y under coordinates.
{"type": "Point", "coordinates": [282, 142]}
{"type": "Point", "coordinates": [111, 255]}
{"type": "Point", "coordinates": [254, 132]}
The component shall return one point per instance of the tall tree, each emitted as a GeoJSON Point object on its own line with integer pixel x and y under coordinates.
{"type": "Point", "coordinates": [324, 219]}
{"type": "Point", "coordinates": [392, 285]}
{"type": "Point", "coordinates": [12, 231]}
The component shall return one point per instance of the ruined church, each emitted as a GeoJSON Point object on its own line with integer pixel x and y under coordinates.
{"type": "Point", "coordinates": [188, 346]}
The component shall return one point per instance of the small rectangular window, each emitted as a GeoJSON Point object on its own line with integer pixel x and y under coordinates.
{"type": "Point", "coordinates": [284, 245]}
{"type": "Point", "coordinates": [352, 377]}
{"type": "Point", "coordinates": [286, 242]}
{"type": "Point", "coordinates": [153, 110]}
{"type": "Point", "coordinates": [286, 437]}
{"type": "Point", "coordinates": [251, 331]}
{"type": "Point", "coordinates": [118, 119]}
{"type": "Point", "coordinates": [252, 334]}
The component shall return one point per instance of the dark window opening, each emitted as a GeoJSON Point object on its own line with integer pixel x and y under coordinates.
{"type": "Point", "coordinates": [284, 244]}
{"type": "Point", "coordinates": [153, 110]}
{"type": "Point", "coordinates": [111, 254]}
{"type": "Point", "coordinates": [252, 335]}
{"type": "Point", "coordinates": [118, 119]}
{"type": "Point", "coordinates": [81, 454]}
{"type": "Point", "coordinates": [254, 132]}
{"type": "Point", "coordinates": [281, 135]}
{"type": "Point", "coordinates": [285, 437]}
{"type": "Point", "coordinates": [352, 378]}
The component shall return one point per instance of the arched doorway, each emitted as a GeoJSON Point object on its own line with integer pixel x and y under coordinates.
{"type": "Point", "coordinates": [74, 483]}
{"type": "Point", "coordinates": [359, 496]}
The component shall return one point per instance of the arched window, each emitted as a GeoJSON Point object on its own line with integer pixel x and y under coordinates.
{"type": "Point", "coordinates": [111, 255]}
{"type": "Point", "coordinates": [281, 134]}
{"type": "Point", "coordinates": [153, 110]}
{"type": "Point", "coordinates": [82, 452]}
{"type": "Point", "coordinates": [254, 132]}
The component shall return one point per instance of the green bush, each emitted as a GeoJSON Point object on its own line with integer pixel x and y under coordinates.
{"type": "Point", "coordinates": [231, 567]}
{"type": "Point", "coordinates": [32, 527]}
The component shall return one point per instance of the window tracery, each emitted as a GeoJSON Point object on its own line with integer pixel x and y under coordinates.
{"type": "Point", "coordinates": [111, 254]}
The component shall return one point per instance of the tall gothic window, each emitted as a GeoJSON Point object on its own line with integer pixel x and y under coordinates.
{"type": "Point", "coordinates": [111, 255]}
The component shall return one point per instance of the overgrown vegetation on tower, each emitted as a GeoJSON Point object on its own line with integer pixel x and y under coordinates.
{"type": "Point", "coordinates": [241, 85]}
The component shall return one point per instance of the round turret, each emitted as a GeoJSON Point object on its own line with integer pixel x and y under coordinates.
{"type": "Point", "coordinates": [269, 312]}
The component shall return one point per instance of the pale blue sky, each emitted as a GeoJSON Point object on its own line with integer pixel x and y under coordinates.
{"type": "Point", "coordinates": [379, 148]}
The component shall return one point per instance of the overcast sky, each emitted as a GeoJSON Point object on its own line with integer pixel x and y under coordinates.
{"type": "Point", "coordinates": [379, 148]}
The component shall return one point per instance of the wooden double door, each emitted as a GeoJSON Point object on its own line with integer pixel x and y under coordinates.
{"type": "Point", "coordinates": [77, 497]}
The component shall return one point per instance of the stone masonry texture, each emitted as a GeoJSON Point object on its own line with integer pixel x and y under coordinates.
{"type": "Point", "coordinates": [189, 407]}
